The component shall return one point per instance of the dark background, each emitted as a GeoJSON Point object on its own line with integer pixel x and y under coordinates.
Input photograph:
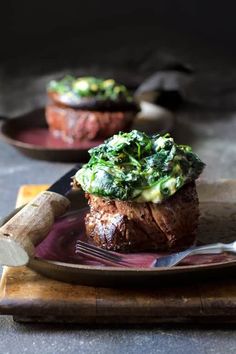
{"type": "Point", "coordinates": [127, 40]}
{"type": "Point", "coordinates": [38, 40]}
{"type": "Point", "coordinates": [134, 35]}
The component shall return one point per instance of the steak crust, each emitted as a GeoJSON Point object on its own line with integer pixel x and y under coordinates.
{"type": "Point", "coordinates": [134, 227]}
{"type": "Point", "coordinates": [72, 124]}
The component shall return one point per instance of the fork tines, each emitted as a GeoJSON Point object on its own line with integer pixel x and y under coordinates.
{"type": "Point", "coordinates": [99, 254]}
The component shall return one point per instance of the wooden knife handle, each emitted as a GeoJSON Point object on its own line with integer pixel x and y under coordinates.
{"type": "Point", "coordinates": [29, 227]}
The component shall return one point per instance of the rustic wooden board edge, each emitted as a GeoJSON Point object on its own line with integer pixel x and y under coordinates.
{"type": "Point", "coordinates": [81, 304]}
{"type": "Point", "coordinates": [125, 321]}
{"type": "Point", "coordinates": [106, 306]}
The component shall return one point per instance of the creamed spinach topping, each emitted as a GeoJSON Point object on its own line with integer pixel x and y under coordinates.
{"type": "Point", "coordinates": [89, 87]}
{"type": "Point", "coordinates": [135, 167]}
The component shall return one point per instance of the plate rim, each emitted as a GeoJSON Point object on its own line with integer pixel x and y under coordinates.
{"type": "Point", "coordinates": [137, 270]}
{"type": "Point", "coordinates": [133, 270]}
{"type": "Point", "coordinates": [21, 144]}
{"type": "Point", "coordinates": [161, 270]}
{"type": "Point", "coordinates": [38, 111]}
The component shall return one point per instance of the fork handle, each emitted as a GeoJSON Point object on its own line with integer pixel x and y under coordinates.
{"type": "Point", "coordinates": [214, 248]}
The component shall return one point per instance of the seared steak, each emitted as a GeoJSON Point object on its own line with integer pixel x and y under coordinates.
{"type": "Point", "coordinates": [75, 124]}
{"type": "Point", "coordinates": [131, 226]}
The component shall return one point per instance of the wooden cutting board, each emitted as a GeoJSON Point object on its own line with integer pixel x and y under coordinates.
{"type": "Point", "coordinates": [31, 297]}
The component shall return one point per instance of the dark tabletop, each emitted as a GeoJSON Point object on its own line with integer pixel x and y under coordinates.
{"type": "Point", "coordinates": [211, 132]}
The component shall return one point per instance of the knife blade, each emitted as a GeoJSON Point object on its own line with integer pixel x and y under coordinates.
{"type": "Point", "coordinates": [63, 184]}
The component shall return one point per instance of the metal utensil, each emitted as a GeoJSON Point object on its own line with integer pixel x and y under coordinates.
{"type": "Point", "coordinates": [104, 256]}
{"type": "Point", "coordinates": [117, 259]}
{"type": "Point", "coordinates": [175, 258]}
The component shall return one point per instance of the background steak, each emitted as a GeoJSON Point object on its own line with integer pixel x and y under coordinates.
{"type": "Point", "coordinates": [75, 124]}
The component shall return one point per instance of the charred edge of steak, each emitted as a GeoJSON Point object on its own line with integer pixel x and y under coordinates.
{"type": "Point", "coordinates": [178, 216]}
{"type": "Point", "coordinates": [132, 227]}
{"type": "Point", "coordinates": [71, 124]}
{"type": "Point", "coordinates": [94, 104]}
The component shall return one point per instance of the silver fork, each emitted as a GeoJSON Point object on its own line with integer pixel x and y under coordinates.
{"type": "Point", "coordinates": [100, 254]}
{"type": "Point", "coordinates": [175, 258]}
{"type": "Point", "coordinates": [113, 258]}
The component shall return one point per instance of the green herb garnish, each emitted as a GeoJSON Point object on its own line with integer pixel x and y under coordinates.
{"type": "Point", "coordinates": [134, 166]}
{"type": "Point", "coordinates": [90, 87]}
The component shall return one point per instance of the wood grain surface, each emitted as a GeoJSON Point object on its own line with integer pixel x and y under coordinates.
{"type": "Point", "coordinates": [29, 296]}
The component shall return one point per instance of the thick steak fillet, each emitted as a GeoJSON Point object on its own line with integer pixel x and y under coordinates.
{"type": "Point", "coordinates": [75, 124]}
{"type": "Point", "coordinates": [130, 227]}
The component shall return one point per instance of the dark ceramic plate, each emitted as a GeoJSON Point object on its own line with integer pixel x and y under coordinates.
{"type": "Point", "coordinates": [56, 256]}
{"type": "Point", "coordinates": [29, 134]}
